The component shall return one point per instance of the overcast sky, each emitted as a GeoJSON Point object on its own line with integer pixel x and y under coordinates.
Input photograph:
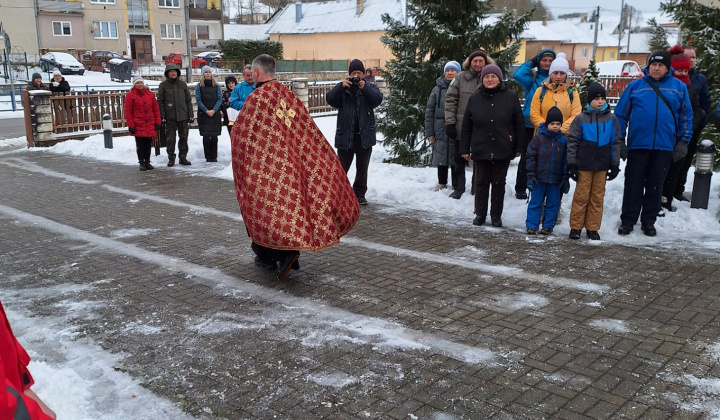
{"type": "Point", "coordinates": [560, 7]}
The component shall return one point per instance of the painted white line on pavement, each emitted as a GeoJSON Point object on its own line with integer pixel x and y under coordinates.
{"type": "Point", "coordinates": [33, 167]}
{"type": "Point", "coordinates": [567, 283]}
{"type": "Point", "coordinates": [480, 266]}
{"type": "Point", "coordinates": [374, 330]}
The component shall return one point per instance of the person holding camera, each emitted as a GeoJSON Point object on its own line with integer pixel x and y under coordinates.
{"type": "Point", "coordinates": [355, 136]}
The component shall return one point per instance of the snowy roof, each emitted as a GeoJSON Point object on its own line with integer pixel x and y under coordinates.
{"type": "Point", "coordinates": [639, 42]}
{"type": "Point", "coordinates": [337, 16]}
{"type": "Point", "coordinates": [536, 31]}
{"type": "Point", "coordinates": [254, 32]}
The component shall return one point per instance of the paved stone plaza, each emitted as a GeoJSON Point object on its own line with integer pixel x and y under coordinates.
{"type": "Point", "coordinates": [403, 320]}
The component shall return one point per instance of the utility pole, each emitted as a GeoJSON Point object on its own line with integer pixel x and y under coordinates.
{"type": "Point", "coordinates": [627, 51]}
{"type": "Point", "coordinates": [620, 27]}
{"type": "Point", "coordinates": [188, 45]}
{"type": "Point", "coordinates": [597, 23]}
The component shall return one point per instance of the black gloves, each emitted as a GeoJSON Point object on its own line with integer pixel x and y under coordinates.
{"type": "Point", "coordinates": [623, 151]}
{"type": "Point", "coordinates": [534, 62]}
{"type": "Point", "coordinates": [565, 185]}
{"type": "Point", "coordinates": [163, 121]}
{"type": "Point", "coordinates": [131, 130]}
{"type": "Point", "coordinates": [572, 172]}
{"type": "Point", "coordinates": [451, 131]}
{"type": "Point", "coordinates": [680, 151]}
{"type": "Point", "coordinates": [613, 172]}
{"type": "Point", "coordinates": [531, 181]}
{"type": "Point", "coordinates": [191, 120]}
{"type": "Point", "coordinates": [158, 127]}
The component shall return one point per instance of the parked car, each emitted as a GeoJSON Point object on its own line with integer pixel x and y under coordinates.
{"type": "Point", "coordinates": [66, 63]}
{"type": "Point", "coordinates": [176, 59]}
{"type": "Point", "coordinates": [212, 57]}
{"type": "Point", "coordinates": [99, 60]}
{"type": "Point", "coordinates": [619, 68]}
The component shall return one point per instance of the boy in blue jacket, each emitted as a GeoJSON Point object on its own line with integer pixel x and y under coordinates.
{"type": "Point", "coordinates": [546, 173]}
{"type": "Point", "coordinates": [593, 156]}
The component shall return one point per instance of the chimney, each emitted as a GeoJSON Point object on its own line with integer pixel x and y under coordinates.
{"type": "Point", "coordinates": [359, 7]}
{"type": "Point", "coordinates": [298, 12]}
{"type": "Point", "coordinates": [544, 20]}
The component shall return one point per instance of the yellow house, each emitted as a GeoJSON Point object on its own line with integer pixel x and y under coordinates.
{"type": "Point", "coordinates": [336, 30]}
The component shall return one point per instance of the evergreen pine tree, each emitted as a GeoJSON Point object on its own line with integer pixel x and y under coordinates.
{"type": "Point", "coordinates": [436, 33]}
{"type": "Point", "coordinates": [591, 75]}
{"type": "Point", "coordinates": [701, 28]}
{"type": "Point", "coordinates": [658, 38]}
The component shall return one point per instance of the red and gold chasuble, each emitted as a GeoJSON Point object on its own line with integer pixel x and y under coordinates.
{"type": "Point", "coordinates": [292, 190]}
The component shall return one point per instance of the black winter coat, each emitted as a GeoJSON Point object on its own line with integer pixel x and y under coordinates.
{"type": "Point", "coordinates": [62, 87]}
{"type": "Point", "coordinates": [493, 125]}
{"type": "Point", "coordinates": [354, 104]}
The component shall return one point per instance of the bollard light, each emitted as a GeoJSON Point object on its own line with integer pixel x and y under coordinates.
{"type": "Point", "coordinates": [107, 130]}
{"type": "Point", "coordinates": [703, 174]}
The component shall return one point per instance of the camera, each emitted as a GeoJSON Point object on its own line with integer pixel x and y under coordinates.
{"type": "Point", "coordinates": [355, 80]}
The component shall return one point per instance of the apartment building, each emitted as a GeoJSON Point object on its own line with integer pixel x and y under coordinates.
{"type": "Point", "coordinates": [18, 20]}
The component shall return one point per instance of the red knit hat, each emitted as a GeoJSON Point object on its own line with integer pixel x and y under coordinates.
{"type": "Point", "coordinates": [678, 59]}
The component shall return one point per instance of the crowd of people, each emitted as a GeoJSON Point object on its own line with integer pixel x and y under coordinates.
{"type": "Point", "coordinates": [472, 116]}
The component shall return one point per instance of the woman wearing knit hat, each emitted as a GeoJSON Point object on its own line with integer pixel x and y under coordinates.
{"type": "Point", "coordinates": [142, 115]}
{"type": "Point", "coordinates": [493, 128]}
{"type": "Point", "coordinates": [230, 83]}
{"type": "Point", "coordinates": [443, 150]}
{"type": "Point", "coordinates": [208, 96]}
{"type": "Point", "coordinates": [681, 66]}
{"type": "Point", "coordinates": [58, 83]}
{"type": "Point", "coordinates": [36, 83]}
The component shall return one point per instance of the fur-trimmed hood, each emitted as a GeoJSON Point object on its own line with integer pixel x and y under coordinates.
{"type": "Point", "coordinates": [466, 63]}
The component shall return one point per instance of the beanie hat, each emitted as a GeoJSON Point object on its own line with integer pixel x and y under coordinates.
{"type": "Point", "coordinates": [230, 79]}
{"type": "Point", "coordinates": [491, 69]}
{"type": "Point", "coordinates": [356, 65]}
{"type": "Point", "coordinates": [679, 60]}
{"type": "Point", "coordinates": [662, 57]}
{"type": "Point", "coordinates": [36, 76]}
{"type": "Point", "coordinates": [56, 72]}
{"type": "Point", "coordinates": [452, 65]}
{"type": "Point", "coordinates": [547, 52]}
{"type": "Point", "coordinates": [477, 53]}
{"type": "Point", "coordinates": [560, 63]}
{"type": "Point", "coordinates": [137, 78]}
{"type": "Point", "coordinates": [596, 90]}
{"type": "Point", "coordinates": [206, 68]}
{"type": "Point", "coordinates": [554, 115]}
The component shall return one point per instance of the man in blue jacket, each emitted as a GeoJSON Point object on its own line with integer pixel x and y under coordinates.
{"type": "Point", "coordinates": [530, 76]}
{"type": "Point", "coordinates": [241, 91]}
{"type": "Point", "coordinates": [355, 136]}
{"type": "Point", "coordinates": [659, 115]}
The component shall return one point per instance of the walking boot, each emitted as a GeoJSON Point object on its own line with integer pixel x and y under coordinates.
{"type": "Point", "coordinates": [143, 166]}
{"type": "Point", "coordinates": [287, 263]}
{"type": "Point", "coordinates": [457, 194]}
{"type": "Point", "coordinates": [148, 165]}
{"type": "Point", "coordinates": [184, 161]}
{"type": "Point", "coordinates": [171, 160]}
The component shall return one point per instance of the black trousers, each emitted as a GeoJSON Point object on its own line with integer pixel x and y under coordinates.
{"type": "Point", "coordinates": [442, 174]}
{"type": "Point", "coordinates": [686, 163]}
{"type": "Point", "coordinates": [270, 255]}
{"type": "Point", "coordinates": [521, 179]}
{"type": "Point", "coordinates": [362, 163]}
{"type": "Point", "coordinates": [645, 174]}
{"type": "Point", "coordinates": [458, 172]}
{"type": "Point", "coordinates": [671, 180]}
{"type": "Point", "coordinates": [487, 173]}
{"type": "Point", "coordinates": [143, 147]}
{"type": "Point", "coordinates": [210, 144]}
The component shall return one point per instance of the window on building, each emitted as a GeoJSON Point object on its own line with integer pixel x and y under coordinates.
{"type": "Point", "coordinates": [199, 4]}
{"type": "Point", "coordinates": [103, 1]}
{"type": "Point", "coordinates": [169, 3]}
{"type": "Point", "coordinates": [138, 16]}
{"type": "Point", "coordinates": [612, 55]}
{"type": "Point", "coordinates": [583, 54]}
{"type": "Point", "coordinates": [61, 29]}
{"type": "Point", "coordinates": [170, 31]}
{"type": "Point", "coordinates": [105, 29]}
{"type": "Point", "coordinates": [202, 32]}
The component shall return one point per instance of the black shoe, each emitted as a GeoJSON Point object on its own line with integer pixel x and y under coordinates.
{"type": "Point", "coordinates": [171, 161]}
{"type": "Point", "coordinates": [149, 166]}
{"type": "Point", "coordinates": [648, 229]}
{"type": "Point", "coordinates": [625, 229]}
{"type": "Point", "coordinates": [545, 231]}
{"type": "Point", "coordinates": [143, 166]}
{"type": "Point", "coordinates": [593, 235]}
{"type": "Point", "coordinates": [496, 222]}
{"type": "Point", "coordinates": [531, 231]}
{"type": "Point", "coordinates": [184, 161]}
{"type": "Point", "coordinates": [457, 194]}
{"type": "Point", "coordinates": [362, 201]}
{"type": "Point", "coordinates": [661, 213]}
{"type": "Point", "coordinates": [286, 264]}
{"type": "Point", "coordinates": [680, 197]}
{"type": "Point", "coordinates": [575, 234]}
{"type": "Point", "coordinates": [521, 195]}
{"type": "Point", "coordinates": [264, 264]}
{"type": "Point", "coordinates": [479, 221]}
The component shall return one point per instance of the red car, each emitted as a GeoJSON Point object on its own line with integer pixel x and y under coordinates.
{"type": "Point", "coordinates": [176, 59]}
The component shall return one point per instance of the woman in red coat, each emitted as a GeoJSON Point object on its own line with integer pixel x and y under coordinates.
{"type": "Point", "coordinates": [17, 400]}
{"type": "Point", "coordinates": [143, 119]}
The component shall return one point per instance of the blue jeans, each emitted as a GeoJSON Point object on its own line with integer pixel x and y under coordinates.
{"type": "Point", "coordinates": [550, 194]}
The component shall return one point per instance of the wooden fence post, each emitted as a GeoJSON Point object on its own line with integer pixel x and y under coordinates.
{"type": "Point", "coordinates": [29, 134]}
{"type": "Point", "coordinates": [300, 87]}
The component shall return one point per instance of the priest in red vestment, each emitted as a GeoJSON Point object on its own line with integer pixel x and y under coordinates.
{"type": "Point", "coordinates": [293, 193]}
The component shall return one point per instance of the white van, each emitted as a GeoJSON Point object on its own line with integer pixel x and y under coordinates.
{"type": "Point", "coordinates": [619, 68]}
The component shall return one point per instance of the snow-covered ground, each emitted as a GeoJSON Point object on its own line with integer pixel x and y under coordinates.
{"type": "Point", "coordinates": [100, 392]}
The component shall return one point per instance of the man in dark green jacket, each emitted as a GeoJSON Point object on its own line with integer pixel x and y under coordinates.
{"type": "Point", "coordinates": [176, 112]}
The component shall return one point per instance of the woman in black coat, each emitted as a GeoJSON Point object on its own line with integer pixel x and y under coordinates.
{"type": "Point", "coordinates": [208, 96]}
{"type": "Point", "coordinates": [492, 128]}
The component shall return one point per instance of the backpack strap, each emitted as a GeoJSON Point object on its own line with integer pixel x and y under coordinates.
{"type": "Point", "coordinates": [571, 92]}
